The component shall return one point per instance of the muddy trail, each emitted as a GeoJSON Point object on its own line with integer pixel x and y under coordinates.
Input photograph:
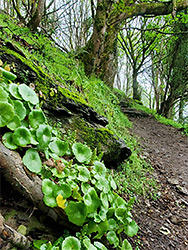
{"type": "Point", "coordinates": [163, 222]}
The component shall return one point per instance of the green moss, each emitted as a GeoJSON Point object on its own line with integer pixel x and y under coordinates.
{"type": "Point", "coordinates": [71, 95]}
{"type": "Point", "coordinates": [45, 83]}
{"type": "Point", "coordinates": [101, 138]}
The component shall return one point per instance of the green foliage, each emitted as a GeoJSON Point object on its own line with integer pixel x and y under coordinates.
{"type": "Point", "coordinates": [6, 113]}
{"type": "Point", "coordinates": [67, 71]}
{"type": "Point", "coordinates": [81, 152]}
{"type": "Point", "coordinates": [71, 243]}
{"type": "Point", "coordinates": [28, 94]}
{"type": "Point", "coordinates": [82, 187]}
{"type": "Point", "coordinates": [87, 182]}
{"type": "Point", "coordinates": [8, 74]}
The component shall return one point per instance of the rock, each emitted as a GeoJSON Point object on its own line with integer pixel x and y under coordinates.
{"type": "Point", "coordinates": [173, 181]}
{"type": "Point", "coordinates": [95, 136]}
{"type": "Point", "coordinates": [175, 220]}
{"type": "Point", "coordinates": [126, 106]}
{"type": "Point", "coordinates": [134, 112]}
{"type": "Point", "coordinates": [182, 190]}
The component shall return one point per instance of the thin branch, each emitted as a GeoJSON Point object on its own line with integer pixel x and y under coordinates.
{"type": "Point", "coordinates": [157, 30]}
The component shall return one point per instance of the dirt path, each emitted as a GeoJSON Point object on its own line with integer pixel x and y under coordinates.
{"type": "Point", "coordinates": [163, 222]}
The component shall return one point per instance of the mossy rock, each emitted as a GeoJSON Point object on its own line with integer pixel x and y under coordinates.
{"type": "Point", "coordinates": [113, 148]}
{"type": "Point", "coordinates": [68, 108]}
{"type": "Point", "coordinates": [52, 94]}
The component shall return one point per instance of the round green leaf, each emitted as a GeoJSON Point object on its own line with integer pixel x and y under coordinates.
{"type": "Point", "coordinates": [103, 185]}
{"type": "Point", "coordinates": [111, 211]}
{"type": "Point", "coordinates": [81, 152]}
{"type": "Point", "coordinates": [22, 136]}
{"type": "Point", "coordinates": [33, 137]}
{"type": "Point", "coordinates": [71, 243]}
{"type": "Point", "coordinates": [14, 123]}
{"type": "Point", "coordinates": [47, 187]}
{"type": "Point", "coordinates": [32, 160]}
{"type": "Point", "coordinates": [64, 190]}
{"type": "Point", "coordinates": [91, 200]}
{"type": "Point", "coordinates": [111, 197]}
{"type": "Point", "coordinates": [3, 95]}
{"type": "Point", "coordinates": [84, 174]}
{"type": "Point", "coordinates": [99, 169]}
{"type": "Point", "coordinates": [8, 74]}
{"type": "Point", "coordinates": [72, 183]}
{"type": "Point", "coordinates": [6, 113]}
{"type": "Point", "coordinates": [104, 199]}
{"type": "Point", "coordinates": [28, 94]}
{"type": "Point", "coordinates": [126, 245]}
{"type": "Point", "coordinates": [112, 238]}
{"type": "Point", "coordinates": [76, 212]}
{"type": "Point", "coordinates": [113, 226]}
{"type": "Point", "coordinates": [112, 182]}
{"type": "Point", "coordinates": [44, 135]}
{"type": "Point", "coordinates": [58, 147]}
{"type": "Point", "coordinates": [50, 200]}
{"type": "Point", "coordinates": [85, 187]}
{"type": "Point", "coordinates": [19, 109]}
{"type": "Point", "coordinates": [36, 117]}
{"type": "Point", "coordinates": [13, 89]}
{"type": "Point", "coordinates": [120, 202]}
{"type": "Point", "coordinates": [102, 213]}
{"type": "Point", "coordinates": [102, 228]}
{"type": "Point", "coordinates": [88, 245]}
{"type": "Point", "coordinates": [100, 246]}
{"type": "Point", "coordinates": [131, 229]}
{"type": "Point", "coordinates": [8, 141]}
{"type": "Point", "coordinates": [120, 213]}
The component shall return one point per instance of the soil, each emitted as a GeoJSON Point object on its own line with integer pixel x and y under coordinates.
{"type": "Point", "coordinates": [163, 222]}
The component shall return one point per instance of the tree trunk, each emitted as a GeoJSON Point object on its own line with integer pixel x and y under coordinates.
{"type": "Point", "coordinates": [181, 108]}
{"type": "Point", "coordinates": [166, 107]}
{"type": "Point", "coordinates": [136, 92]}
{"type": "Point", "coordinates": [155, 83]}
{"type": "Point", "coordinates": [37, 17]}
{"type": "Point", "coordinates": [100, 56]}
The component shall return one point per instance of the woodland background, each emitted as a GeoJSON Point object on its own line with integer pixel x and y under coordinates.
{"type": "Point", "coordinates": [88, 61]}
{"type": "Point", "coordinates": [140, 46]}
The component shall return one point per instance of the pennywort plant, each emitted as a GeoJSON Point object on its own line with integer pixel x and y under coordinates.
{"type": "Point", "coordinates": [81, 186]}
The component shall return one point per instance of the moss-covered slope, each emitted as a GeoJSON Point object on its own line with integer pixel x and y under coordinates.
{"type": "Point", "coordinates": [63, 104]}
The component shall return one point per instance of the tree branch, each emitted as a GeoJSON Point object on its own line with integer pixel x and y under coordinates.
{"type": "Point", "coordinates": [154, 9]}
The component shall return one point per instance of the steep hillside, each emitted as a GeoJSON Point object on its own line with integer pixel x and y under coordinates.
{"type": "Point", "coordinates": [36, 60]}
{"type": "Point", "coordinates": [68, 108]}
